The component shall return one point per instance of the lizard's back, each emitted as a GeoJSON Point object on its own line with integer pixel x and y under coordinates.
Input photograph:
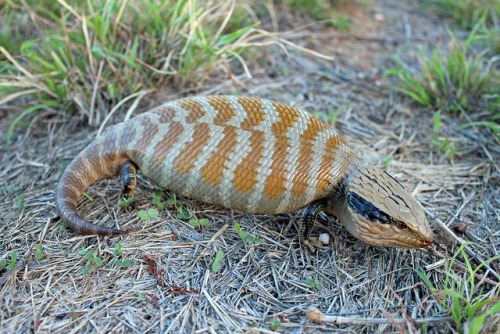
{"type": "Point", "coordinates": [244, 153]}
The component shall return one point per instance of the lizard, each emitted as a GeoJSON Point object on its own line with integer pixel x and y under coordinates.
{"type": "Point", "coordinates": [252, 155]}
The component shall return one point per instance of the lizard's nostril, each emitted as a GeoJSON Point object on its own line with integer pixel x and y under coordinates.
{"type": "Point", "coordinates": [427, 242]}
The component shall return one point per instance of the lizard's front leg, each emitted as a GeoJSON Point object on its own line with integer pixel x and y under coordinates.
{"type": "Point", "coordinates": [306, 223]}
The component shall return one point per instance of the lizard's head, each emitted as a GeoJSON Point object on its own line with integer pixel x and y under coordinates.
{"type": "Point", "coordinates": [380, 212]}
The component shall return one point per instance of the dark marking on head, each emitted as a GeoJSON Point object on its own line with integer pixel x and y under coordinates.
{"type": "Point", "coordinates": [368, 210]}
{"type": "Point", "coordinates": [394, 179]}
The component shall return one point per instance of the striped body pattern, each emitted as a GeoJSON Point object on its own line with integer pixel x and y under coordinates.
{"type": "Point", "coordinates": [249, 154]}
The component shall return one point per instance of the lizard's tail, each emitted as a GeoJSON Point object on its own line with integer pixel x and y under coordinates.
{"type": "Point", "coordinates": [96, 162]}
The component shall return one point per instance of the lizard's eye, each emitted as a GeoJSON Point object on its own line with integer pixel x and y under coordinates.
{"type": "Point", "coordinates": [402, 226]}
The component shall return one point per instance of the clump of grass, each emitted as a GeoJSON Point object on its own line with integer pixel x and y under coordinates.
{"type": "Point", "coordinates": [493, 36]}
{"type": "Point", "coordinates": [445, 145]}
{"type": "Point", "coordinates": [95, 54]}
{"type": "Point", "coordinates": [456, 80]}
{"type": "Point", "coordinates": [320, 10]}
{"type": "Point", "coordinates": [467, 13]}
{"type": "Point", "coordinates": [462, 295]}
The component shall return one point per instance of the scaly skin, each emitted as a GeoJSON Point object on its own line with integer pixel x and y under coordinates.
{"type": "Point", "coordinates": [252, 155]}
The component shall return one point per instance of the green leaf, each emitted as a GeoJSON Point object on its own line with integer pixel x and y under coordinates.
{"type": "Point", "coordinates": [161, 205]}
{"type": "Point", "coordinates": [243, 235]}
{"type": "Point", "coordinates": [38, 255]}
{"type": "Point", "coordinates": [194, 222]}
{"type": "Point", "coordinates": [13, 256]}
{"type": "Point", "coordinates": [424, 278]}
{"type": "Point", "coordinates": [257, 241]}
{"type": "Point", "coordinates": [204, 222]}
{"type": "Point", "coordinates": [219, 256]}
{"type": "Point", "coordinates": [39, 247]}
{"type": "Point", "coordinates": [216, 266]}
{"type": "Point", "coordinates": [319, 286]}
{"type": "Point", "coordinates": [11, 266]}
{"type": "Point", "coordinates": [248, 239]}
{"type": "Point", "coordinates": [3, 264]}
{"type": "Point", "coordinates": [118, 263]}
{"type": "Point", "coordinates": [127, 263]}
{"type": "Point", "coordinates": [122, 204]}
{"type": "Point", "coordinates": [153, 213]}
{"type": "Point", "coordinates": [96, 51]}
{"type": "Point", "coordinates": [275, 324]}
{"type": "Point", "coordinates": [310, 282]}
{"type": "Point", "coordinates": [226, 39]}
{"type": "Point", "coordinates": [18, 118]}
{"type": "Point", "coordinates": [476, 324]}
{"type": "Point", "coordinates": [89, 256]}
{"type": "Point", "coordinates": [237, 227]}
{"type": "Point", "coordinates": [494, 309]}
{"type": "Point", "coordinates": [85, 271]}
{"type": "Point", "coordinates": [143, 214]}
{"type": "Point", "coordinates": [98, 261]}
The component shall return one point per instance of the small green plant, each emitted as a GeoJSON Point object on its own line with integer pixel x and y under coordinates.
{"type": "Point", "coordinates": [118, 252]}
{"type": "Point", "coordinates": [453, 81]}
{"type": "Point", "coordinates": [218, 258]}
{"type": "Point", "coordinates": [126, 201]}
{"type": "Point", "coordinates": [123, 263]}
{"type": "Point", "coordinates": [444, 145]}
{"type": "Point", "coordinates": [92, 258]}
{"type": "Point", "coordinates": [314, 283]}
{"type": "Point", "coordinates": [20, 202]}
{"type": "Point", "coordinates": [320, 10]}
{"type": "Point", "coordinates": [467, 13]}
{"type": "Point", "coordinates": [10, 189]}
{"type": "Point", "coordinates": [201, 222]}
{"type": "Point", "coordinates": [147, 215]}
{"type": "Point", "coordinates": [157, 199]}
{"type": "Point", "coordinates": [461, 295]}
{"type": "Point", "coordinates": [138, 294]}
{"type": "Point", "coordinates": [181, 212]}
{"type": "Point", "coordinates": [249, 239]}
{"type": "Point", "coordinates": [173, 201]}
{"type": "Point", "coordinates": [38, 253]}
{"type": "Point", "coordinates": [118, 249]}
{"type": "Point", "coordinates": [275, 324]}
{"type": "Point", "coordinates": [10, 264]}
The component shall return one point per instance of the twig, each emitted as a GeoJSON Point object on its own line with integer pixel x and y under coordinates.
{"type": "Point", "coordinates": [313, 314]}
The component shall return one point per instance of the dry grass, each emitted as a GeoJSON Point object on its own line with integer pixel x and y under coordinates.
{"type": "Point", "coordinates": [371, 289]}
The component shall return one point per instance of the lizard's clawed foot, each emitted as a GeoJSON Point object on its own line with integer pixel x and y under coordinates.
{"type": "Point", "coordinates": [312, 243]}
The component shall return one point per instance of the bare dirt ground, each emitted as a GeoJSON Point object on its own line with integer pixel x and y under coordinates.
{"type": "Point", "coordinates": [256, 283]}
